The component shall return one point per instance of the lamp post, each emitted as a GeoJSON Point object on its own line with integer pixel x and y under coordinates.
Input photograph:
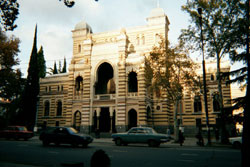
{"type": "Point", "coordinates": [204, 79]}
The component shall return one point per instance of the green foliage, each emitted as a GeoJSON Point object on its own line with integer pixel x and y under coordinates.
{"type": "Point", "coordinates": [29, 98]}
{"type": "Point", "coordinates": [55, 69]}
{"type": "Point", "coordinates": [69, 3]}
{"type": "Point", "coordinates": [41, 63]}
{"type": "Point", "coordinates": [220, 20]}
{"type": "Point", "coordinates": [9, 78]}
{"type": "Point", "coordinates": [9, 10]}
{"type": "Point", "coordinates": [64, 69]}
{"type": "Point", "coordinates": [169, 69]}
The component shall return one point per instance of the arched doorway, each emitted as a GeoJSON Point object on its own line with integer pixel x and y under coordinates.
{"type": "Point", "coordinates": [104, 121]}
{"type": "Point", "coordinates": [132, 118]}
{"type": "Point", "coordinates": [77, 120]}
{"type": "Point", "coordinates": [105, 74]}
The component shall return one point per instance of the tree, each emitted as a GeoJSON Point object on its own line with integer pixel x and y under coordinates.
{"type": "Point", "coordinates": [31, 91]}
{"type": "Point", "coordinates": [9, 48]}
{"type": "Point", "coordinates": [170, 70]}
{"type": "Point", "coordinates": [41, 63]}
{"type": "Point", "coordinates": [242, 76]}
{"type": "Point", "coordinates": [55, 69]}
{"type": "Point", "coordinates": [64, 69]}
{"type": "Point", "coordinates": [9, 10]}
{"type": "Point", "coordinates": [10, 79]}
{"type": "Point", "coordinates": [219, 18]}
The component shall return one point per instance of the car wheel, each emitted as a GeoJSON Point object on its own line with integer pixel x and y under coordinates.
{"type": "Point", "coordinates": [236, 144]}
{"type": "Point", "coordinates": [74, 144]}
{"type": "Point", "coordinates": [153, 143]}
{"type": "Point", "coordinates": [57, 143]}
{"type": "Point", "coordinates": [118, 142]}
{"type": "Point", "coordinates": [84, 145]}
{"type": "Point", "coordinates": [45, 143]}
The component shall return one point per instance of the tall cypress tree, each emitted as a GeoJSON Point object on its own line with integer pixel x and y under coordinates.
{"type": "Point", "coordinates": [31, 89]}
{"type": "Point", "coordinates": [41, 63]}
{"type": "Point", "coordinates": [64, 70]}
{"type": "Point", "coordinates": [55, 69]}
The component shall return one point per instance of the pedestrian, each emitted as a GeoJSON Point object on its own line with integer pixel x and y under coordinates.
{"type": "Point", "coordinates": [217, 134]}
{"type": "Point", "coordinates": [100, 159]}
{"type": "Point", "coordinates": [181, 138]}
{"type": "Point", "coordinates": [200, 139]}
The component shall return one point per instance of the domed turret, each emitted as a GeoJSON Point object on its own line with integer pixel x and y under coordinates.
{"type": "Point", "coordinates": [83, 26]}
{"type": "Point", "coordinates": [156, 12]}
{"type": "Point", "coordinates": [157, 16]}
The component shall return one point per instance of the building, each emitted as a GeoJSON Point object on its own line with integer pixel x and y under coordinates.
{"type": "Point", "coordinates": [105, 90]}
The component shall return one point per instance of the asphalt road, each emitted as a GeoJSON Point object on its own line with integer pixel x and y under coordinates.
{"type": "Point", "coordinates": [32, 153]}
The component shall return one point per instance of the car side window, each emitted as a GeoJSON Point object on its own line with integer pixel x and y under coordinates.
{"type": "Point", "coordinates": [133, 131]}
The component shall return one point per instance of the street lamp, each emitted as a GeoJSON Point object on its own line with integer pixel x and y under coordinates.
{"type": "Point", "coordinates": [204, 79]}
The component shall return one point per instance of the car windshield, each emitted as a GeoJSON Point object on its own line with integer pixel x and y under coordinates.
{"type": "Point", "coordinates": [149, 130]}
{"type": "Point", "coordinates": [22, 128]}
{"type": "Point", "coordinates": [72, 131]}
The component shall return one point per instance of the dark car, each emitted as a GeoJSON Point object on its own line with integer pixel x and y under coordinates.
{"type": "Point", "coordinates": [140, 135]}
{"type": "Point", "coordinates": [64, 135]}
{"type": "Point", "coordinates": [16, 132]}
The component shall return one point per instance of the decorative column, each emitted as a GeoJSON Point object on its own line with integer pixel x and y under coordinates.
{"type": "Point", "coordinates": [98, 118]}
{"type": "Point", "coordinates": [121, 92]}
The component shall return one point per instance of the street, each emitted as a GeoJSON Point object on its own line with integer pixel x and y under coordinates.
{"type": "Point", "coordinates": [32, 153]}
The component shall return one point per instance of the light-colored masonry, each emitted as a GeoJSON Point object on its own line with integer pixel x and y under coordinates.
{"type": "Point", "coordinates": [105, 90]}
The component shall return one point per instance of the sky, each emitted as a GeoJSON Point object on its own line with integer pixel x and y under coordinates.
{"type": "Point", "coordinates": [55, 22]}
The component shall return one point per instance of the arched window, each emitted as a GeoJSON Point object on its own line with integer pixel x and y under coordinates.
{"type": "Point", "coordinates": [212, 77]}
{"type": "Point", "coordinates": [137, 40]}
{"type": "Point", "coordinates": [197, 104]}
{"type": "Point", "coordinates": [157, 39]}
{"type": "Point", "coordinates": [142, 40]}
{"type": "Point", "coordinates": [132, 82]}
{"type": "Point", "coordinates": [216, 104]}
{"type": "Point", "coordinates": [46, 108]}
{"type": "Point", "coordinates": [149, 113]}
{"type": "Point", "coordinates": [79, 48]}
{"type": "Point", "coordinates": [79, 83]}
{"type": "Point", "coordinates": [59, 108]}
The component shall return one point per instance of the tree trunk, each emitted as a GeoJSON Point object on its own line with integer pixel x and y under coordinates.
{"type": "Point", "coordinates": [224, 137]}
{"type": "Point", "coordinates": [176, 130]}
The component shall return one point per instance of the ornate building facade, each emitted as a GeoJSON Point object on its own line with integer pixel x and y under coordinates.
{"type": "Point", "coordinates": [105, 88]}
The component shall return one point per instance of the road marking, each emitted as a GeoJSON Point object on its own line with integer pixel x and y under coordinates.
{"type": "Point", "coordinates": [186, 160]}
{"type": "Point", "coordinates": [189, 154]}
{"type": "Point", "coordinates": [52, 152]}
{"type": "Point", "coordinates": [22, 145]}
{"type": "Point", "coordinates": [119, 151]}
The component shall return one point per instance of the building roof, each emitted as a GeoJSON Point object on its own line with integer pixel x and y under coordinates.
{"type": "Point", "coordinates": [82, 25]}
{"type": "Point", "coordinates": [157, 12]}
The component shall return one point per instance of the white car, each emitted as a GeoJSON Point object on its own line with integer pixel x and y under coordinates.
{"type": "Point", "coordinates": [236, 141]}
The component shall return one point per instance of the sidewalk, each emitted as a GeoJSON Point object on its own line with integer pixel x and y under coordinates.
{"type": "Point", "coordinates": [189, 141]}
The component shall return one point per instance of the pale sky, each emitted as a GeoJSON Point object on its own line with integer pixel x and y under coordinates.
{"type": "Point", "coordinates": [55, 22]}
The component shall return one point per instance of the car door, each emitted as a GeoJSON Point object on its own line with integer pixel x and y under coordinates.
{"type": "Point", "coordinates": [131, 136]}
{"type": "Point", "coordinates": [63, 136]}
{"type": "Point", "coordinates": [140, 136]}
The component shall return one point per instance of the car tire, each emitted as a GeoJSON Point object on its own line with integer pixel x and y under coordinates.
{"type": "Point", "coordinates": [57, 144]}
{"type": "Point", "coordinates": [84, 145]}
{"type": "Point", "coordinates": [74, 144]}
{"type": "Point", "coordinates": [237, 144]}
{"type": "Point", "coordinates": [45, 143]}
{"type": "Point", "coordinates": [153, 143]}
{"type": "Point", "coordinates": [118, 142]}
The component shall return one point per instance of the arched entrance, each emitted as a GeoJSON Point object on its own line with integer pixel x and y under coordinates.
{"type": "Point", "coordinates": [132, 118]}
{"type": "Point", "coordinates": [104, 121]}
{"type": "Point", "coordinates": [77, 120]}
{"type": "Point", "coordinates": [104, 77]}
